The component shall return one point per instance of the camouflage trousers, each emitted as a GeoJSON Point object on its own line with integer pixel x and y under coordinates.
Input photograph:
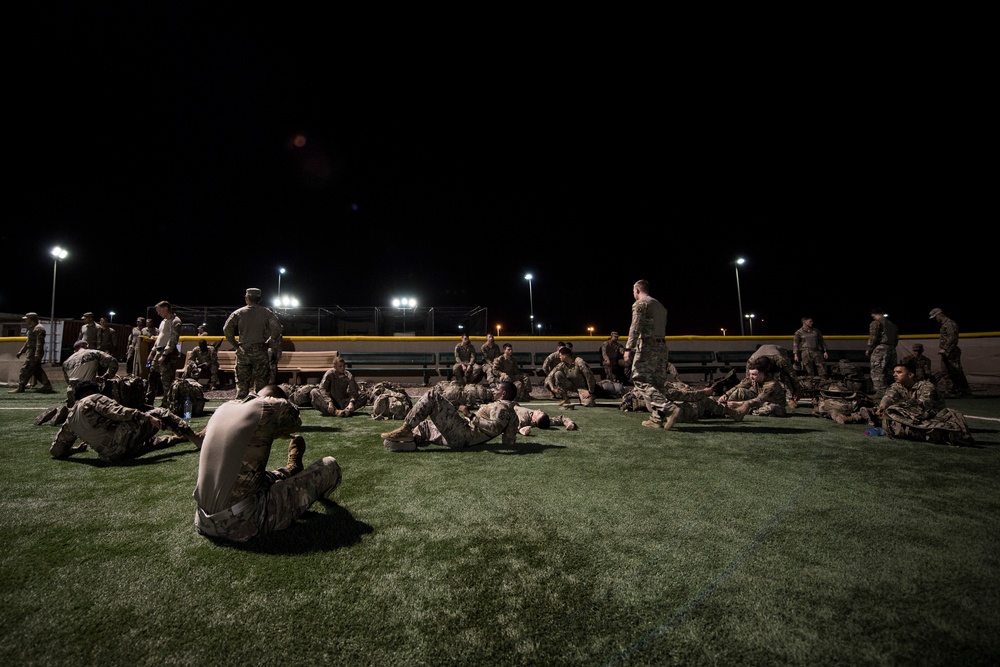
{"type": "Point", "coordinates": [811, 362]}
{"type": "Point", "coordinates": [952, 364]}
{"type": "Point", "coordinates": [561, 383]}
{"type": "Point", "coordinates": [883, 360]}
{"type": "Point", "coordinates": [455, 430]}
{"type": "Point", "coordinates": [32, 368]}
{"type": "Point", "coordinates": [132, 439]}
{"type": "Point", "coordinates": [253, 369]}
{"type": "Point", "coordinates": [947, 427]}
{"type": "Point", "coordinates": [649, 376]}
{"type": "Point", "coordinates": [758, 407]}
{"type": "Point", "coordinates": [275, 506]}
{"type": "Point", "coordinates": [693, 410]}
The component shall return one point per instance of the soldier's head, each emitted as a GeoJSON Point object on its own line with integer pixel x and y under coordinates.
{"type": "Point", "coordinates": [88, 317]}
{"type": "Point", "coordinates": [139, 321]}
{"type": "Point", "coordinates": [506, 391]}
{"type": "Point", "coordinates": [614, 335]}
{"type": "Point", "coordinates": [489, 338]}
{"type": "Point", "coordinates": [640, 287]}
{"type": "Point", "coordinates": [80, 345]}
{"type": "Point", "coordinates": [905, 373]}
{"type": "Point", "coordinates": [918, 349]}
{"type": "Point", "coordinates": [508, 349]}
{"type": "Point", "coordinates": [252, 295]}
{"type": "Point", "coordinates": [465, 338]}
{"type": "Point", "coordinates": [203, 344]}
{"type": "Point", "coordinates": [164, 308]}
{"type": "Point", "coordinates": [807, 322]}
{"type": "Point", "coordinates": [565, 353]}
{"type": "Point", "coordinates": [272, 390]}
{"type": "Point", "coordinates": [877, 313]}
{"type": "Point", "coordinates": [540, 419]}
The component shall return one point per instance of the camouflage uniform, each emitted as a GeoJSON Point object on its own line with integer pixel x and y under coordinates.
{"type": "Point", "coordinates": [573, 376]}
{"type": "Point", "coordinates": [506, 368]}
{"type": "Point", "coordinates": [114, 431]}
{"type": "Point", "coordinates": [808, 345]}
{"type": "Point", "coordinates": [86, 365]}
{"type": "Point", "coordinates": [457, 393]}
{"type": "Point", "coordinates": [613, 359]}
{"type": "Point", "coordinates": [132, 352]}
{"type": "Point", "coordinates": [238, 498]}
{"type": "Point", "coordinates": [184, 388]}
{"type": "Point", "coordinates": [919, 413]}
{"type": "Point", "coordinates": [455, 430]}
{"type": "Point", "coordinates": [648, 351]}
{"type": "Point", "coordinates": [89, 332]}
{"type": "Point", "coordinates": [766, 399]}
{"type": "Point", "coordinates": [105, 337]}
{"type": "Point", "coordinates": [34, 348]}
{"type": "Point", "coordinates": [838, 402]}
{"type": "Point", "coordinates": [202, 359]}
{"type": "Point", "coordinates": [259, 332]}
{"type": "Point", "coordinates": [166, 359]}
{"type": "Point", "coordinates": [465, 355]}
{"type": "Point", "coordinates": [335, 391]}
{"type": "Point", "coordinates": [695, 409]}
{"type": "Point", "coordinates": [951, 355]}
{"type": "Point", "coordinates": [883, 336]}
{"type": "Point", "coordinates": [490, 351]}
{"type": "Point", "coordinates": [391, 402]}
{"type": "Point", "coordinates": [780, 360]}
{"type": "Point", "coordinates": [921, 363]}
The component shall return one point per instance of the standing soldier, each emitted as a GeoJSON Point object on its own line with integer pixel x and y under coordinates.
{"type": "Point", "coordinates": [951, 355]}
{"type": "Point", "coordinates": [165, 357]}
{"type": "Point", "coordinates": [883, 336]}
{"type": "Point", "coordinates": [32, 367]}
{"type": "Point", "coordinates": [105, 336]}
{"type": "Point", "coordinates": [132, 353]}
{"type": "Point", "coordinates": [807, 347]}
{"type": "Point", "coordinates": [647, 343]}
{"type": "Point", "coordinates": [88, 331]}
{"type": "Point", "coordinates": [259, 333]}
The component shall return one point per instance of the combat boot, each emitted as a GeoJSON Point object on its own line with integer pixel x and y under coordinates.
{"type": "Point", "coordinates": [737, 414]}
{"type": "Point", "coordinates": [46, 389]}
{"type": "Point", "coordinates": [19, 390]}
{"type": "Point", "coordinates": [402, 433]}
{"type": "Point", "coordinates": [296, 450]}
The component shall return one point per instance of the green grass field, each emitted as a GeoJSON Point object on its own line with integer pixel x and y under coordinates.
{"type": "Point", "coordinates": [790, 541]}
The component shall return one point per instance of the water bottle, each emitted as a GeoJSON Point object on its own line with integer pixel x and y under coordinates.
{"type": "Point", "coordinates": [187, 407]}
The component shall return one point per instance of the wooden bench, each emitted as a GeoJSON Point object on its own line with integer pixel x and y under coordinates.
{"type": "Point", "coordinates": [694, 361]}
{"type": "Point", "coordinates": [392, 363]}
{"type": "Point", "coordinates": [293, 362]}
{"type": "Point", "coordinates": [737, 359]}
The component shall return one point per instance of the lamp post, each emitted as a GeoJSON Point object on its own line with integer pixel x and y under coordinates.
{"type": "Point", "coordinates": [591, 330]}
{"type": "Point", "coordinates": [723, 330]}
{"type": "Point", "coordinates": [404, 303]}
{"type": "Point", "coordinates": [281, 270]}
{"type": "Point", "coordinates": [58, 253]}
{"type": "Point", "coordinates": [112, 318]}
{"type": "Point", "coordinates": [498, 331]}
{"type": "Point", "coordinates": [750, 319]}
{"type": "Point", "coordinates": [739, 295]}
{"type": "Point", "coordinates": [531, 303]}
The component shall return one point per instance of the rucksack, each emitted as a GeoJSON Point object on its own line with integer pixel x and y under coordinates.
{"type": "Point", "coordinates": [388, 401]}
{"type": "Point", "coordinates": [129, 390]}
{"type": "Point", "coordinates": [185, 388]}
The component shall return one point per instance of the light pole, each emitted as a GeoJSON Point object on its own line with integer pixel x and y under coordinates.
{"type": "Point", "coordinates": [404, 303]}
{"type": "Point", "coordinates": [281, 270]}
{"type": "Point", "coordinates": [750, 319]}
{"type": "Point", "coordinates": [531, 303]}
{"type": "Point", "coordinates": [112, 318]}
{"type": "Point", "coordinates": [739, 295]}
{"type": "Point", "coordinates": [498, 331]}
{"type": "Point", "coordinates": [723, 330]}
{"type": "Point", "coordinates": [591, 330]}
{"type": "Point", "coordinates": [58, 253]}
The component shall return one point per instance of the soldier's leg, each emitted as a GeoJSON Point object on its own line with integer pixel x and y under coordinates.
{"type": "Point", "coordinates": [288, 499]}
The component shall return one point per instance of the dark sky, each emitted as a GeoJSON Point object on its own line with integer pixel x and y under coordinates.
{"type": "Point", "coordinates": [159, 146]}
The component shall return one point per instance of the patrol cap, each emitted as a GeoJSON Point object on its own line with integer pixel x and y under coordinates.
{"type": "Point", "coordinates": [30, 316]}
{"type": "Point", "coordinates": [253, 291]}
{"type": "Point", "coordinates": [88, 314]}
{"type": "Point", "coordinates": [918, 347]}
{"type": "Point", "coordinates": [935, 313]}
{"type": "Point", "coordinates": [614, 333]}
{"type": "Point", "coordinates": [140, 320]}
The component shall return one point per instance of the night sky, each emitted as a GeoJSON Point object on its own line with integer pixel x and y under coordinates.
{"type": "Point", "coordinates": [185, 154]}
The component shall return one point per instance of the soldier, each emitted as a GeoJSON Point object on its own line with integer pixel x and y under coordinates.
{"type": "Point", "coordinates": [337, 394]}
{"type": "Point", "coordinates": [238, 498]}
{"type": "Point", "coordinates": [149, 331]}
{"type": "Point", "coordinates": [951, 355]}
{"type": "Point", "coordinates": [32, 369]}
{"type": "Point", "coordinates": [781, 365]}
{"type": "Point", "coordinates": [505, 368]}
{"type": "Point", "coordinates": [646, 349]}
{"type": "Point", "coordinates": [459, 427]}
{"type": "Point", "coordinates": [105, 336]}
{"type": "Point", "coordinates": [89, 331]}
{"type": "Point", "coordinates": [914, 410]}
{"type": "Point", "coordinates": [572, 373]}
{"type": "Point", "coordinates": [883, 336]}
{"type": "Point", "coordinates": [759, 393]}
{"type": "Point", "coordinates": [116, 432]}
{"type": "Point", "coordinates": [203, 360]}
{"type": "Point", "coordinates": [260, 333]}
{"type": "Point", "coordinates": [550, 363]}
{"type": "Point", "coordinates": [132, 352]}
{"type": "Point", "coordinates": [921, 362]}
{"type": "Point", "coordinates": [613, 359]}
{"type": "Point", "coordinates": [165, 357]}
{"type": "Point", "coordinates": [490, 351]}
{"type": "Point", "coordinates": [466, 369]}
{"type": "Point", "coordinates": [807, 348]}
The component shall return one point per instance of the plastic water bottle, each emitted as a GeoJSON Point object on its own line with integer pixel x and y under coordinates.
{"type": "Point", "coordinates": [187, 407]}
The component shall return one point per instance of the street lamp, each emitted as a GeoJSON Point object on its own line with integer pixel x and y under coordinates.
{"type": "Point", "coordinates": [750, 319]}
{"type": "Point", "coordinates": [739, 295]}
{"type": "Point", "coordinates": [498, 331]}
{"type": "Point", "coordinates": [723, 330]}
{"type": "Point", "coordinates": [591, 330]}
{"type": "Point", "coordinates": [58, 253]}
{"type": "Point", "coordinates": [531, 303]}
{"type": "Point", "coordinates": [404, 303]}
{"type": "Point", "coordinates": [112, 314]}
{"type": "Point", "coordinates": [281, 270]}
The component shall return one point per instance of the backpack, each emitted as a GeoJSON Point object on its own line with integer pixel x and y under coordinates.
{"type": "Point", "coordinates": [129, 390]}
{"type": "Point", "coordinates": [633, 401]}
{"type": "Point", "coordinates": [185, 388]}
{"type": "Point", "coordinates": [388, 401]}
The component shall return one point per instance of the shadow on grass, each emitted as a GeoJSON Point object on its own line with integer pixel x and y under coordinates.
{"type": "Point", "coordinates": [144, 459]}
{"type": "Point", "coordinates": [312, 428]}
{"type": "Point", "coordinates": [493, 447]}
{"type": "Point", "coordinates": [313, 531]}
{"type": "Point", "coordinates": [732, 426]}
